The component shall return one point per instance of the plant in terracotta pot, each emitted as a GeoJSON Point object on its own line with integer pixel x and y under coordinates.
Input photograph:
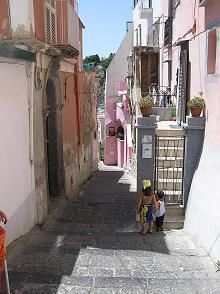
{"type": "Point", "coordinates": [146, 104]}
{"type": "Point", "coordinates": [196, 106]}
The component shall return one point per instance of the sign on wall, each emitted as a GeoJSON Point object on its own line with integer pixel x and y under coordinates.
{"type": "Point", "coordinates": [146, 146]}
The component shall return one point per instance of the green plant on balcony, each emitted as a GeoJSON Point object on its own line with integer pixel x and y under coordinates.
{"type": "Point", "coordinates": [145, 103]}
{"type": "Point", "coordinates": [196, 105]}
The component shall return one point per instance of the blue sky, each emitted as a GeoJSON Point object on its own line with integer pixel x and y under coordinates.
{"type": "Point", "coordinates": [105, 25]}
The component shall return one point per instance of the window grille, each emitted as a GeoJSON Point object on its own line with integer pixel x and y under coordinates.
{"type": "Point", "coordinates": [50, 21]}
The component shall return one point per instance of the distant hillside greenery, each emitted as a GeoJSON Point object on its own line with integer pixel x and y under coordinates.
{"type": "Point", "coordinates": [99, 65]}
{"type": "Point", "coordinates": [104, 62]}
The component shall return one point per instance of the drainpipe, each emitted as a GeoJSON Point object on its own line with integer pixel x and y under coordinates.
{"type": "Point", "coordinates": [77, 101]}
{"type": "Point", "coordinates": [78, 108]}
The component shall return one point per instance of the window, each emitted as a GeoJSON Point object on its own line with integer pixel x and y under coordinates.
{"type": "Point", "coordinates": [140, 40]}
{"type": "Point", "coordinates": [168, 31]}
{"type": "Point", "coordinates": [211, 60]}
{"type": "Point", "coordinates": [120, 133]}
{"type": "Point", "coordinates": [135, 3]}
{"type": "Point", "coordinates": [136, 34]}
{"type": "Point", "coordinates": [50, 21]}
{"type": "Point", "coordinates": [111, 131]}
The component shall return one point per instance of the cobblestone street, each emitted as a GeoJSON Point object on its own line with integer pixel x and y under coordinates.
{"type": "Point", "coordinates": [94, 246]}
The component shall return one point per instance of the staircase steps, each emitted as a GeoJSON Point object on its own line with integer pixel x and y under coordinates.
{"type": "Point", "coordinates": [169, 161]}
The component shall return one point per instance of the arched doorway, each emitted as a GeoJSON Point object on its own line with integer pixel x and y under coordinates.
{"type": "Point", "coordinates": [54, 141]}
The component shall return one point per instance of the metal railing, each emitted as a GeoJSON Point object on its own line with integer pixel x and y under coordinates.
{"type": "Point", "coordinates": [162, 96]}
{"type": "Point", "coordinates": [169, 167]}
{"type": "Point", "coordinates": [144, 4]}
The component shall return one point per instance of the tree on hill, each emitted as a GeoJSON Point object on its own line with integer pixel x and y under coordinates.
{"type": "Point", "coordinates": [92, 58]}
{"type": "Point", "coordinates": [96, 60]}
{"type": "Point", "coordinates": [106, 61]}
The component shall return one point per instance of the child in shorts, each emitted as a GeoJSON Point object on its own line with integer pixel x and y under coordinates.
{"type": "Point", "coordinates": [160, 213]}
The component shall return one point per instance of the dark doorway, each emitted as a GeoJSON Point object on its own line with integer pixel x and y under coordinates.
{"type": "Point", "coordinates": [54, 154]}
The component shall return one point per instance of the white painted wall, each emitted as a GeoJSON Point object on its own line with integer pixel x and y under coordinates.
{"type": "Point", "coordinates": [144, 23]}
{"type": "Point", "coordinates": [118, 68]}
{"type": "Point", "coordinates": [17, 195]}
{"type": "Point", "coordinates": [22, 18]}
{"type": "Point", "coordinates": [203, 215]}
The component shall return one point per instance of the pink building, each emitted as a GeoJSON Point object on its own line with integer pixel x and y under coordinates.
{"type": "Point", "coordinates": [118, 145]}
{"type": "Point", "coordinates": [190, 63]}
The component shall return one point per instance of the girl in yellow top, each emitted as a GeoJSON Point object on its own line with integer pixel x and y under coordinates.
{"type": "Point", "coordinates": [146, 206]}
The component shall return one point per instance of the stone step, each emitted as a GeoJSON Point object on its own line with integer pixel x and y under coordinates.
{"type": "Point", "coordinates": [173, 224]}
{"type": "Point", "coordinates": [174, 210]}
{"type": "Point", "coordinates": [170, 132]}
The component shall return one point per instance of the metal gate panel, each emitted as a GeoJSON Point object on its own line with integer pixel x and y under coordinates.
{"type": "Point", "coordinates": [169, 167]}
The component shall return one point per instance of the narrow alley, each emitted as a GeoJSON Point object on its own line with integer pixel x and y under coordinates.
{"type": "Point", "coordinates": [94, 246]}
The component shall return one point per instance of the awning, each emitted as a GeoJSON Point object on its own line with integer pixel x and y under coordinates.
{"type": "Point", "coordinates": [10, 51]}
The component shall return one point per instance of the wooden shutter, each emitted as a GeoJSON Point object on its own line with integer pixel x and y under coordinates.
{"type": "Point", "coordinates": [50, 21]}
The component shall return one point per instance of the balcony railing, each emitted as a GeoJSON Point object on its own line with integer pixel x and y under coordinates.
{"type": "Point", "coordinates": [64, 33]}
{"type": "Point", "coordinates": [168, 31]}
{"type": "Point", "coordinates": [68, 24]}
{"type": "Point", "coordinates": [145, 8]}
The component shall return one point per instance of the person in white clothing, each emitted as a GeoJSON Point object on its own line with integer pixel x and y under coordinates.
{"type": "Point", "coordinates": [3, 217]}
{"type": "Point", "coordinates": [160, 213]}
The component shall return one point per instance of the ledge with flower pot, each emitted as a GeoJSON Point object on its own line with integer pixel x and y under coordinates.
{"type": "Point", "coordinates": [146, 105]}
{"type": "Point", "coordinates": [196, 105]}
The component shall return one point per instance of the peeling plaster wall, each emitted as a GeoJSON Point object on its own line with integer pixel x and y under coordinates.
{"type": "Point", "coordinates": [40, 158]}
{"type": "Point", "coordinates": [70, 129]}
{"type": "Point", "coordinates": [80, 148]}
{"type": "Point", "coordinates": [5, 31]}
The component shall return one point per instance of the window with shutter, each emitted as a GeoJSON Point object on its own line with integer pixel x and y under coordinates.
{"type": "Point", "coordinates": [50, 21]}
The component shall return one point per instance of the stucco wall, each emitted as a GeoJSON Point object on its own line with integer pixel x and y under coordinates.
{"type": "Point", "coordinates": [18, 198]}
{"type": "Point", "coordinates": [202, 216]}
{"type": "Point", "coordinates": [80, 141]}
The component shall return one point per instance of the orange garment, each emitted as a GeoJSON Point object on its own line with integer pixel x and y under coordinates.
{"type": "Point", "coordinates": [2, 244]}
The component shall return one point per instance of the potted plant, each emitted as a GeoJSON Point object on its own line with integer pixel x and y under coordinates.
{"type": "Point", "coordinates": [196, 106]}
{"type": "Point", "coordinates": [145, 104]}
{"type": "Point", "coordinates": [173, 112]}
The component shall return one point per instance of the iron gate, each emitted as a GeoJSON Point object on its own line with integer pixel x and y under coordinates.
{"type": "Point", "coordinates": [169, 167]}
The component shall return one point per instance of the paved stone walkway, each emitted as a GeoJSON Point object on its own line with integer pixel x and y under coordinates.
{"type": "Point", "coordinates": [94, 246]}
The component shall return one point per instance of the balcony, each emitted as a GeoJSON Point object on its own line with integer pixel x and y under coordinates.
{"type": "Point", "coordinates": [48, 24]}
{"type": "Point", "coordinates": [145, 9]}
{"type": "Point", "coordinates": [67, 28]}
